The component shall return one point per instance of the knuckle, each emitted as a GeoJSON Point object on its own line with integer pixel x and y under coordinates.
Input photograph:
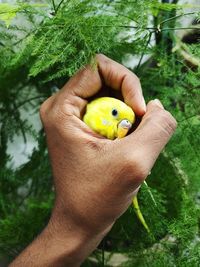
{"type": "Point", "coordinates": [173, 123]}
{"type": "Point", "coordinates": [133, 171]}
{"type": "Point", "coordinates": [128, 166]}
{"type": "Point", "coordinates": [66, 108]}
{"type": "Point", "coordinates": [163, 119]}
{"type": "Point", "coordinates": [52, 112]}
{"type": "Point", "coordinates": [44, 110]}
{"type": "Point", "coordinates": [141, 172]}
{"type": "Point", "coordinates": [59, 120]}
{"type": "Point", "coordinates": [101, 56]}
{"type": "Point", "coordinates": [168, 122]}
{"type": "Point", "coordinates": [137, 79]}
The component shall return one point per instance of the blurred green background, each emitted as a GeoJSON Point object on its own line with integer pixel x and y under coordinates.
{"type": "Point", "coordinates": [43, 43]}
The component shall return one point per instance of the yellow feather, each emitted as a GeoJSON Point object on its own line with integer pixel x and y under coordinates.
{"type": "Point", "coordinates": [101, 117]}
{"type": "Point", "coordinates": [139, 213]}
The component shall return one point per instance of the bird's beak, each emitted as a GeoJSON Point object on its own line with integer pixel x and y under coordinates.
{"type": "Point", "coordinates": [123, 127]}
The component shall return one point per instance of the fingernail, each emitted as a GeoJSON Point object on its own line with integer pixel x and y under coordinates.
{"type": "Point", "coordinates": [158, 103]}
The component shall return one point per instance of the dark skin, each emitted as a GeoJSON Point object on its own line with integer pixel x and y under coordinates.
{"type": "Point", "coordinates": [95, 179]}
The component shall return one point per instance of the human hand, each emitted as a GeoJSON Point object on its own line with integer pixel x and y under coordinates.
{"type": "Point", "coordinates": [96, 178]}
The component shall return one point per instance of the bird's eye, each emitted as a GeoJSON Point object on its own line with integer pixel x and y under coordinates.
{"type": "Point", "coordinates": [114, 112]}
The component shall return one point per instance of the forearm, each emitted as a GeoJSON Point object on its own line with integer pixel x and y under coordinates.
{"type": "Point", "coordinates": [58, 246]}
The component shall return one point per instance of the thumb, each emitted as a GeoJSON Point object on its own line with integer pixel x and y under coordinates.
{"type": "Point", "coordinates": [153, 133]}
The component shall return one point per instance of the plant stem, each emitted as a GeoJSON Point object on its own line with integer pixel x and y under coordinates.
{"type": "Point", "coordinates": [57, 8]}
{"type": "Point", "coordinates": [178, 16]}
{"type": "Point", "coordinates": [156, 29]}
{"type": "Point", "coordinates": [185, 28]}
{"type": "Point", "coordinates": [128, 26]}
{"type": "Point", "coordinates": [148, 41]}
{"type": "Point", "coordinates": [20, 122]}
{"type": "Point", "coordinates": [29, 100]}
{"type": "Point", "coordinates": [54, 6]}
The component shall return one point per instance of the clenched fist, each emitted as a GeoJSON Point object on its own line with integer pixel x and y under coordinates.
{"type": "Point", "coordinates": [95, 178]}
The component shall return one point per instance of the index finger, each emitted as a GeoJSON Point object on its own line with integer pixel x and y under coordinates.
{"type": "Point", "coordinates": [88, 81]}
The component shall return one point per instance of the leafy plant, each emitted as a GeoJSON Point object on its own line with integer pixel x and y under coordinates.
{"type": "Point", "coordinates": [41, 46]}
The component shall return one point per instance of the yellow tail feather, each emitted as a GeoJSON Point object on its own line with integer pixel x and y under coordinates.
{"type": "Point", "coordinates": [139, 214]}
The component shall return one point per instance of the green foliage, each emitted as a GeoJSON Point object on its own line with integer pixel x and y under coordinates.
{"type": "Point", "coordinates": [8, 12]}
{"type": "Point", "coordinates": [46, 44]}
{"type": "Point", "coordinates": [25, 201]}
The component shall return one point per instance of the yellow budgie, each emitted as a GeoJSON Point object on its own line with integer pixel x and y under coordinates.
{"type": "Point", "coordinates": [112, 118]}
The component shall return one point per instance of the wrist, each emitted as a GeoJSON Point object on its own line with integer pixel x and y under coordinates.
{"type": "Point", "coordinates": [60, 244]}
{"type": "Point", "coordinates": [70, 242]}
{"type": "Point", "coordinates": [65, 243]}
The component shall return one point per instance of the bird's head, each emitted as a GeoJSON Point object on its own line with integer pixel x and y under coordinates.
{"type": "Point", "coordinates": [109, 117]}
